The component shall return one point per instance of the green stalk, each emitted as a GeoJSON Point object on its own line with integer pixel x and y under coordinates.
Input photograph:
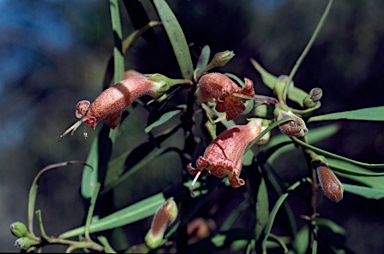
{"type": "Point", "coordinates": [305, 51]}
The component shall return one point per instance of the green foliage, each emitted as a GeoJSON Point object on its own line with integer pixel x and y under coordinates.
{"type": "Point", "coordinates": [266, 194]}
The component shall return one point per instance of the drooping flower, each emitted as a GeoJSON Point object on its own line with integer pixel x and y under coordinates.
{"type": "Point", "coordinates": [229, 96]}
{"type": "Point", "coordinates": [112, 101]}
{"type": "Point", "coordinates": [223, 157]}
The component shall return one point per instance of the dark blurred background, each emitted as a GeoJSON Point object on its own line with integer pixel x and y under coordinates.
{"type": "Point", "coordinates": [54, 53]}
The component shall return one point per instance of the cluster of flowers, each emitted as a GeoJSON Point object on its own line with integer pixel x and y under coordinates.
{"type": "Point", "coordinates": [223, 157]}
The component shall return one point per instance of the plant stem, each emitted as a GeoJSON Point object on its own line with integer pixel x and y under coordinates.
{"type": "Point", "coordinates": [305, 51]}
{"type": "Point", "coordinates": [312, 199]}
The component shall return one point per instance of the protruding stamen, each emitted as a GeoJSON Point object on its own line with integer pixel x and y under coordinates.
{"type": "Point", "coordinates": [71, 129]}
{"type": "Point", "coordinates": [193, 183]}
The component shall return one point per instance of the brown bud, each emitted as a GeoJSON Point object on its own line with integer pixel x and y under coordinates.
{"type": "Point", "coordinates": [313, 98]}
{"type": "Point", "coordinates": [316, 94]}
{"type": "Point", "coordinates": [294, 128]}
{"type": "Point", "coordinates": [332, 187]}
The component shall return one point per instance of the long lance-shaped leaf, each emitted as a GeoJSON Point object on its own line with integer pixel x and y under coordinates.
{"type": "Point", "coordinates": [274, 211]}
{"type": "Point", "coordinates": [130, 214]}
{"type": "Point", "coordinates": [262, 209]}
{"type": "Point", "coordinates": [139, 17]}
{"type": "Point", "coordinates": [356, 173]}
{"type": "Point", "coordinates": [133, 37]}
{"type": "Point", "coordinates": [366, 192]}
{"type": "Point", "coordinates": [203, 59]}
{"type": "Point", "coordinates": [126, 45]}
{"type": "Point", "coordinates": [118, 48]}
{"type": "Point", "coordinates": [152, 156]}
{"type": "Point", "coordinates": [35, 186]}
{"type": "Point", "coordinates": [365, 114]}
{"type": "Point", "coordinates": [335, 156]}
{"type": "Point", "coordinates": [164, 118]}
{"type": "Point", "coordinates": [295, 94]}
{"type": "Point", "coordinates": [176, 37]}
{"type": "Point", "coordinates": [351, 169]}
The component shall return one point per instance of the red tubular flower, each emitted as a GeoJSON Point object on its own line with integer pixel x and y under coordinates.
{"type": "Point", "coordinates": [216, 86]}
{"type": "Point", "coordinates": [112, 101]}
{"type": "Point", "coordinates": [224, 155]}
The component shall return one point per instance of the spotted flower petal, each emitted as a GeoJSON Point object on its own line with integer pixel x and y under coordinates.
{"type": "Point", "coordinates": [216, 86]}
{"type": "Point", "coordinates": [223, 157]}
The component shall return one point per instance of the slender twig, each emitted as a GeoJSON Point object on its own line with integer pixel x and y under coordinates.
{"type": "Point", "coordinates": [305, 51]}
{"type": "Point", "coordinates": [90, 210]}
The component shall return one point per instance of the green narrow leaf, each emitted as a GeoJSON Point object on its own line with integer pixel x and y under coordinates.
{"type": "Point", "coordinates": [274, 211]}
{"type": "Point", "coordinates": [130, 214]}
{"type": "Point", "coordinates": [365, 114]}
{"type": "Point", "coordinates": [118, 48]}
{"type": "Point", "coordinates": [295, 94]}
{"type": "Point", "coordinates": [335, 156]}
{"type": "Point", "coordinates": [203, 59]}
{"type": "Point", "coordinates": [98, 157]}
{"type": "Point", "coordinates": [176, 37]}
{"type": "Point", "coordinates": [301, 240]}
{"type": "Point", "coordinates": [145, 161]}
{"type": "Point", "coordinates": [268, 79]}
{"type": "Point", "coordinates": [366, 192]}
{"type": "Point", "coordinates": [232, 217]}
{"type": "Point", "coordinates": [321, 222]}
{"type": "Point", "coordinates": [133, 37]}
{"type": "Point", "coordinates": [374, 182]}
{"type": "Point", "coordinates": [350, 169]}
{"type": "Point", "coordinates": [262, 209]}
{"type": "Point", "coordinates": [164, 118]}
{"type": "Point", "coordinates": [127, 44]}
{"type": "Point", "coordinates": [139, 17]}
{"type": "Point", "coordinates": [89, 179]}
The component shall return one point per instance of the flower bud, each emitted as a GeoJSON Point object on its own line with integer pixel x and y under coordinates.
{"type": "Point", "coordinates": [316, 94]}
{"type": "Point", "coordinates": [294, 128]}
{"type": "Point", "coordinates": [222, 58]}
{"type": "Point", "coordinates": [313, 97]}
{"type": "Point", "coordinates": [330, 184]}
{"type": "Point", "coordinates": [18, 229]}
{"type": "Point", "coordinates": [24, 243]}
{"type": "Point", "coordinates": [165, 215]}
